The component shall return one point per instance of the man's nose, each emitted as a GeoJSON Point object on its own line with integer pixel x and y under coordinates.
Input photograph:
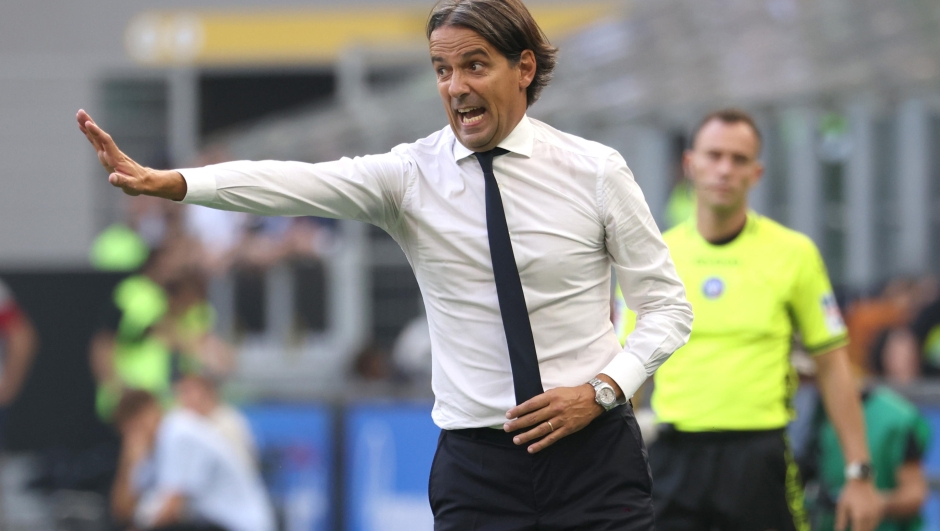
{"type": "Point", "coordinates": [458, 87]}
{"type": "Point", "coordinates": [724, 166]}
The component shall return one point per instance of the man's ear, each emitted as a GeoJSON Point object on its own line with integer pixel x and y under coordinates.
{"type": "Point", "coordinates": [527, 67]}
{"type": "Point", "coordinates": [758, 173]}
{"type": "Point", "coordinates": [687, 164]}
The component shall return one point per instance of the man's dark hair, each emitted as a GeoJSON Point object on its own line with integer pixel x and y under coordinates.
{"type": "Point", "coordinates": [728, 116]}
{"type": "Point", "coordinates": [508, 26]}
{"type": "Point", "coordinates": [133, 403]}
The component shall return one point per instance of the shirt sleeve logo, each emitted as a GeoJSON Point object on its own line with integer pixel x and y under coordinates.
{"type": "Point", "coordinates": [713, 287]}
{"type": "Point", "coordinates": [832, 315]}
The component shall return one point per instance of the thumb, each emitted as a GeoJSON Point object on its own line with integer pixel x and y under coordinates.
{"type": "Point", "coordinates": [125, 182]}
{"type": "Point", "coordinates": [842, 515]}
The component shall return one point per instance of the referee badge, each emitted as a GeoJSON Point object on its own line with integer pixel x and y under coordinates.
{"type": "Point", "coordinates": [713, 287]}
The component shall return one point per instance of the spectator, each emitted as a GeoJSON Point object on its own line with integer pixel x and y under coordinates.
{"type": "Point", "coordinates": [124, 246]}
{"type": "Point", "coordinates": [18, 342]}
{"type": "Point", "coordinates": [898, 437]}
{"type": "Point", "coordinates": [176, 472]}
{"type": "Point", "coordinates": [926, 332]}
{"type": "Point", "coordinates": [868, 319]}
{"type": "Point", "coordinates": [186, 327]}
{"type": "Point", "coordinates": [124, 352]}
{"type": "Point", "coordinates": [199, 394]}
{"type": "Point", "coordinates": [18, 345]}
{"type": "Point", "coordinates": [159, 323]}
{"type": "Point", "coordinates": [896, 356]}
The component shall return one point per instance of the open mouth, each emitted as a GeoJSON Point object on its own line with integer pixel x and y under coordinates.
{"type": "Point", "coordinates": [471, 115]}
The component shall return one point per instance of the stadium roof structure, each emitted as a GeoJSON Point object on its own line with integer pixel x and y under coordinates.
{"type": "Point", "coordinates": [655, 55]}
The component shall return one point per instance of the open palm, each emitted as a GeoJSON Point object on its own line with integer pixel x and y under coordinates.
{"type": "Point", "coordinates": [124, 172]}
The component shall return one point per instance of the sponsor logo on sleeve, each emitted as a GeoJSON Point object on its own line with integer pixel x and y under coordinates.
{"type": "Point", "coordinates": [832, 315]}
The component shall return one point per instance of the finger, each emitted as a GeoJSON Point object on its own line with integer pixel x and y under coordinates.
{"type": "Point", "coordinates": [538, 432]}
{"type": "Point", "coordinates": [92, 136]}
{"type": "Point", "coordinates": [527, 421]}
{"type": "Point", "coordinates": [124, 182]}
{"type": "Point", "coordinates": [88, 137]}
{"type": "Point", "coordinates": [548, 440]}
{"type": "Point", "coordinates": [82, 117]}
{"type": "Point", "coordinates": [841, 516]}
{"type": "Point", "coordinates": [530, 405]}
{"type": "Point", "coordinates": [105, 140]}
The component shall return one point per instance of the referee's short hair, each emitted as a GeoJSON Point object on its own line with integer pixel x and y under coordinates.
{"type": "Point", "coordinates": [508, 26]}
{"type": "Point", "coordinates": [728, 116]}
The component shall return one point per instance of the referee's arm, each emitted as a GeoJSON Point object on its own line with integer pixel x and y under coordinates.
{"type": "Point", "coordinates": [859, 503]}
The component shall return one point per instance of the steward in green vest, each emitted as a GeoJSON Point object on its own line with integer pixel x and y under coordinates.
{"type": "Point", "coordinates": [898, 436]}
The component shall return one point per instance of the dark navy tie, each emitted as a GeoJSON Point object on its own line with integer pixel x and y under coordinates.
{"type": "Point", "coordinates": [526, 380]}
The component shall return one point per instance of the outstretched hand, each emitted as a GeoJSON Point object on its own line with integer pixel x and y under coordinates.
{"type": "Point", "coordinates": [125, 173]}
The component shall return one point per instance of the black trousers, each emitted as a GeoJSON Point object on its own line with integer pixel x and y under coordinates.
{"type": "Point", "coordinates": [726, 481]}
{"type": "Point", "coordinates": [597, 479]}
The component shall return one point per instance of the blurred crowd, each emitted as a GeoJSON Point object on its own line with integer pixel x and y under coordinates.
{"type": "Point", "coordinates": [161, 324]}
{"type": "Point", "coordinates": [895, 334]}
{"type": "Point", "coordinates": [187, 459]}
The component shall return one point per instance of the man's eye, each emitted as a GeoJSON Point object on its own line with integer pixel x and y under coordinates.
{"type": "Point", "coordinates": [476, 67]}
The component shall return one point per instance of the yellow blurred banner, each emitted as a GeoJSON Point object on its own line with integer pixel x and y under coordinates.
{"type": "Point", "coordinates": [302, 36]}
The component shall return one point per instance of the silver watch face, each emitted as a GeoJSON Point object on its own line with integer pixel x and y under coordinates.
{"type": "Point", "coordinates": [606, 395]}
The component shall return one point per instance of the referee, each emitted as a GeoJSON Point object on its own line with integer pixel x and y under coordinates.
{"type": "Point", "coordinates": [511, 228]}
{"type": "Point", "coordinates": [722, 460]}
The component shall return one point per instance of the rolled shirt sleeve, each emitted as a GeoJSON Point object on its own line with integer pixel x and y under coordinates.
{"type": "Point", "coordinates": [368, 189]}
{"type": "Point", "coordinates": [647, 277]}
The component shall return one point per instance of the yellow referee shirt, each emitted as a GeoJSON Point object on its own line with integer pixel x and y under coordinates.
{"type": "Point", "coordinates": [749, 296]}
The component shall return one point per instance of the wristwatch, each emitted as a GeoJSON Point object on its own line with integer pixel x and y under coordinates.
{"type": "Point", "coordinates": [858, 470]}
{"type": "Point", "coordinates": [604, 394]}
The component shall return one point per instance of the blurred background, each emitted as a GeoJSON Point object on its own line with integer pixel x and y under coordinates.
{"type": "Point", "coordinates": [313, 328]}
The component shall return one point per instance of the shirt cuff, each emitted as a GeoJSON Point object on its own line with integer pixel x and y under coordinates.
{"type": "Point", "coordinates": [628, 371]}
{"type": "Point", "coordinates": [200, 186]}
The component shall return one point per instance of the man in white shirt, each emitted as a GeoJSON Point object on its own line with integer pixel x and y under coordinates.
{"type": "Point", "coordinates": [178, 472]}
{"type": "Point", "coordinates": [511, 228]}
{"type": "Point", "coordinates": [199, 393]}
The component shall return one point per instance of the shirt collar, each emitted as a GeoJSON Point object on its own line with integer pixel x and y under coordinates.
{"type": "Point", "coordinates": [519, 141]}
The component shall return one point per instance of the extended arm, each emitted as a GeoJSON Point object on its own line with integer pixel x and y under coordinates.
{"type": "Point", "coordinates": [367, 189]}
{"type": "Point", "coordinates": [859, 504]}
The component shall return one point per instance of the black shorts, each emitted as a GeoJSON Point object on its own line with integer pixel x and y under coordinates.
{"type": "Point", "coordinates": [596, 479]}
{"type": "Point", "coordinates": [729, 481]}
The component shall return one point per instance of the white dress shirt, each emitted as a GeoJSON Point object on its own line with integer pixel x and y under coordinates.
{"type": "Point", "coordinates": [573, 210]}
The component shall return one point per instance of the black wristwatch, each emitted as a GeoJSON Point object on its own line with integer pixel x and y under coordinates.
{"type": "Point", "coordinates": [858, 470]}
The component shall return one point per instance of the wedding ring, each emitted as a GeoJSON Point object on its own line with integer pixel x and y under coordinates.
{"type": "Point", "coordinates": [550, 425]}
